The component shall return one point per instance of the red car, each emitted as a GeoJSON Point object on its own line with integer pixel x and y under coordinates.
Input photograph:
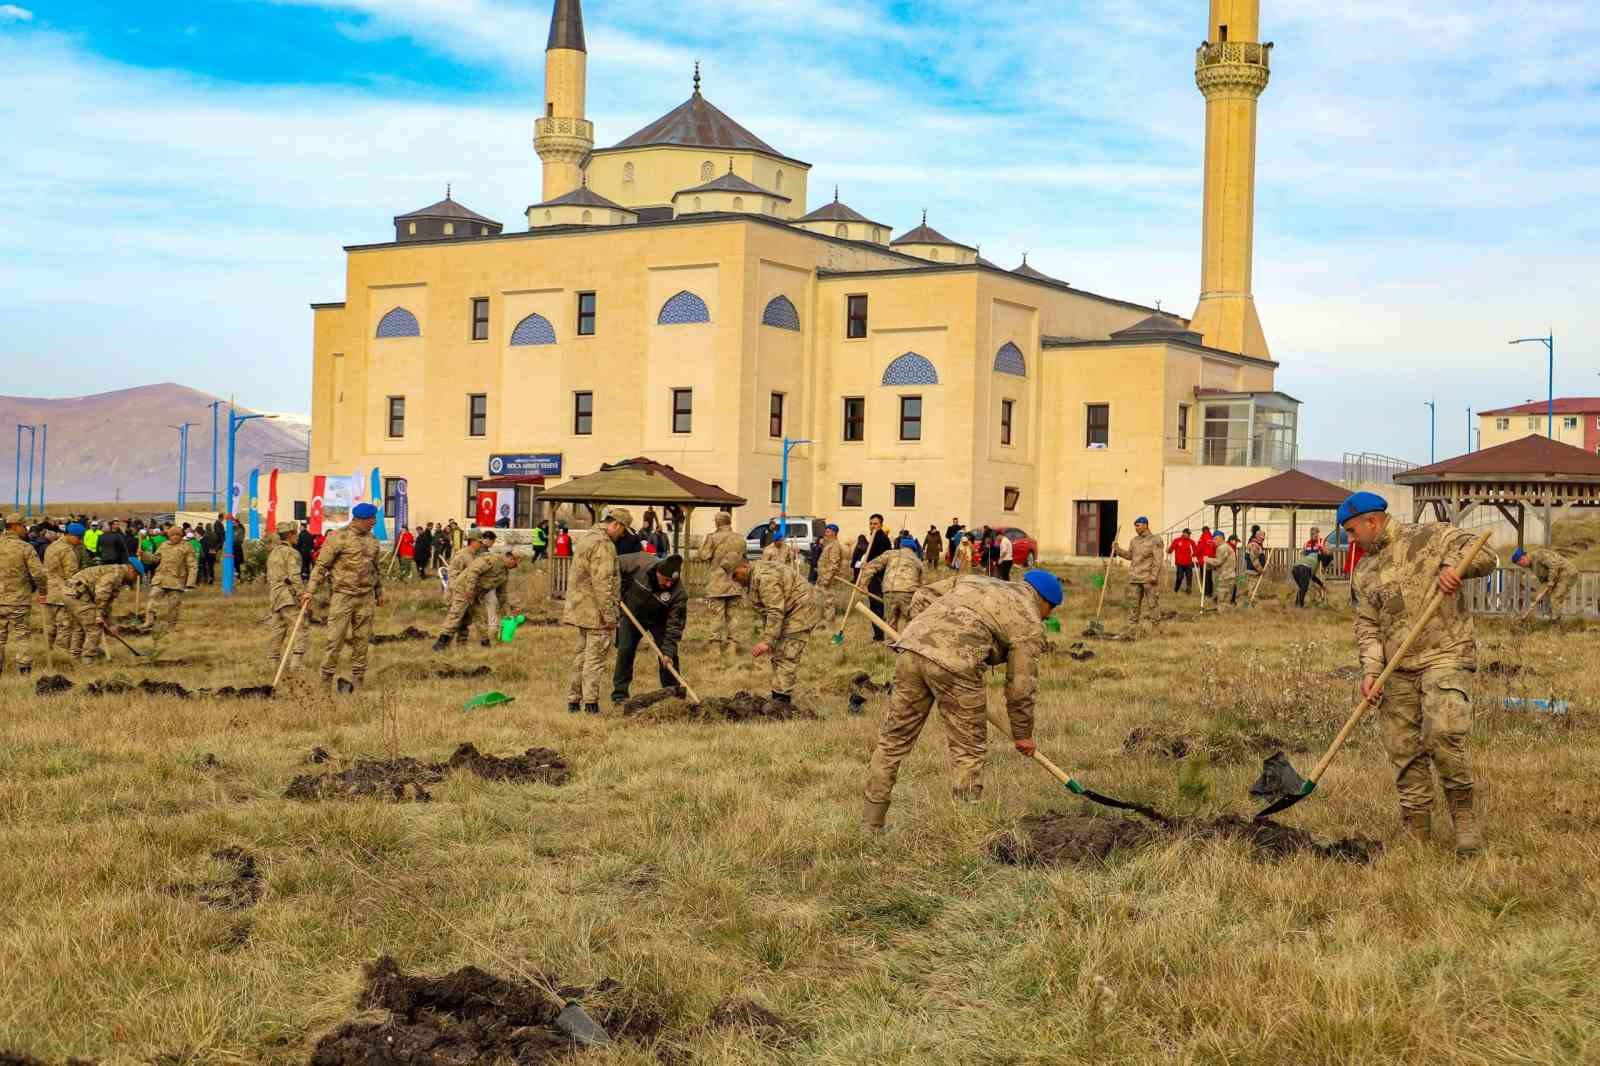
{"type": "Point", "coordinates": [1024, 549]}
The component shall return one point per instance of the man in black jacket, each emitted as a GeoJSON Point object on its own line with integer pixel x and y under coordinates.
{"type": "Point", "coordinates": [113, 549]}
{"type": "Point", "coordinates": [305, 544]}
{"type": "Point", "coordinates": [653, 590]}
{"type": "Point", "coordinates": [877, 544]}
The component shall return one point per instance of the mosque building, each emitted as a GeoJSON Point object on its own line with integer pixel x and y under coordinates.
{"type": "Point", "coordinates": [681, 295]}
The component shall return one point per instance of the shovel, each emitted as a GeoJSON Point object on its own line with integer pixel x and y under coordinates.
{"type": "Point", "coordinates": [842, 581]}
{"type": "Point", "coordinates": [288, 645]}
{"type": "Point", "coordinates": [117, 637]}
{"type": "Point", "coordinates": [1534, 606]}
{"type": "Point", "coordinates": [855, 590]}
{"type": "Point", "coordinates": [1095, 625]}
{"type": "Point", "coordinates": [1279, 781]}
{"type": "Point", "coordinates": [650, 642]}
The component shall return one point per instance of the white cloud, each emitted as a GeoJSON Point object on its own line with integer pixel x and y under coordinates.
{"type": "Point", "coordinates": [13, 13]}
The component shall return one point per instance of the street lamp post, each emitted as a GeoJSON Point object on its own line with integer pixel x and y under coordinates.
{"type": "Point", "coordinates": [183, 463]}
{"type": "Point", "coordinates": [33, 461]}
{"type": "Point", "coordinates": [234, 422]}
{"type": "Point", "coordinates": [1550, 348]}
{"type": "Point", "coordinates": [783, 496]}
{"type": "Point", "coordinates": [1432, 413]}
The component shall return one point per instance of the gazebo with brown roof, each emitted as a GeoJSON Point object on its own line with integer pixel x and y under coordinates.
{"type": "Point", "coordinates": [642, 482]}
{"type": "Point", "coordinates": [1531, 471]}
{"type": "Point", "coordinates": [1291, 490]}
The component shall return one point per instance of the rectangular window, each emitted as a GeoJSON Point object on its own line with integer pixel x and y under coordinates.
{"type": "Point", "coordinates": [478, 415]}
{"type": "Point", "coordinates": [586, 314]}
{"type": "Point", "coordinates": [391, 496]}
{"type": "Point", "coordinates": [583, 413]}
{"type": "Point", "coordinates": [1005, 421]}
{"type": "Point", "coordinates": [849, 495]}
{"type": "Point", "coordinates": [1097, 421]}
{"type": "Point", "coordinates": [855, 418]}
{"type": "Point", "coordinates": [397, 417]}
{"type": "Point", "coordinates": [775, 416]}
{"type": "Point", "coordinates": [1569, 423]}
{"type": "Point", "coordinates": [1533, 423]}
{"type": "Point", "coordinates": [1013, 496]}
{"type": "Point", "coordinates": [905, 495]}
{"type": "Point", "coordinates": [777, 490]}
{"type": "Point", "coordinates": [480, 318]}
{"type": "Point", "coordinates": [1183, 427]}
{"type": "Point", "coordinates": [682, 410]}
{"type": "Point", "coordinates": [472, 499]}
{"type": "Point", "coordinates": [855, 317]}
{"type": "Point", "coordinates": [911, 418]}
{"type": "Point", "coordinates": [1505, 423]}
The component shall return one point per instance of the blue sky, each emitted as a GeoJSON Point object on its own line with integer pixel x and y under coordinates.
{"type": "Point", "coordinates": [181, 175]}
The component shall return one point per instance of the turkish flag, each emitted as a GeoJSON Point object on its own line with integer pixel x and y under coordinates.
{"type": "Point", "coordinates": [272, 501]}
{"type": "Point", "coordinates": [487, 502]}
{"type": "Point", "coordinates": [319, 485]}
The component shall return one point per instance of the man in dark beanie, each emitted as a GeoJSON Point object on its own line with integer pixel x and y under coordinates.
{"type": "Point", "coordinates": [653, 589]}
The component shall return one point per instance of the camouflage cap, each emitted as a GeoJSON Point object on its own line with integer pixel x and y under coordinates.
{"type": "Point", "coordinates": [285, 527]}
{"type": "Point", "coordinates": [733, 564]}
{"type": "Point", "coordinates": [620, 514]}
{"type": "Point", "coordinates": [15, 519]}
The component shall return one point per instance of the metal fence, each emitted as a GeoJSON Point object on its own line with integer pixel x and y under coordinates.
{"type": "Point", "coordinates": [694, 573]}
{"type": "Point", "coordinates": [1370, 468]}
{"type": "Point", "coordinates": [1511, 589]}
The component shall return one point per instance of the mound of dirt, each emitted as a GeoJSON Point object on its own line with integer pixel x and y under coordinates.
{"type": "Point", "coordinates": [50, 685]}
{"type": "Point", "coordinates": [242, 890]}
{"type": "Point", "coordinates": [1053, 839]}
{"type": "Point", "coordinates": [169, 689]}
{"type": "Point", "coordinates": [244, 692]}
{"type": "Point", "coordinates": [17, 1058]}
{"type": "Point", "coordinates": [666, 705]}
{"type": "Point", "coordinates": [754, 1020]}
{"type": "Point", "coordinates": [535, 764]}
{"type": "Point", "coordinates": [862, 682]}
{"type": "Point", "coordinates": [408, 633]}
{"type": "Point", "coordinates": [459, 672]}
{"type": "Point", "coordinates": [406, 779]}
{"type": "Point", "coordinates": [1493, 669]}
{"type": "Point", "coordinates": [646, 700]}
{"type": "Point", "coordinates": [1076, 651]}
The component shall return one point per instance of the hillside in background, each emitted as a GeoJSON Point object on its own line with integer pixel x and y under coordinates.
{"type": "Point", "coordinates": [124, 442]}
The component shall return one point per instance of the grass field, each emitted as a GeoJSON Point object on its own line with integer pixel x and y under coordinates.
{"type": "Point", "coordinates": [685, 863]}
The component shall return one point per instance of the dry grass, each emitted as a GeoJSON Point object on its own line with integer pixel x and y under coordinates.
{"type": "Point", "coordinates": [693, 862]}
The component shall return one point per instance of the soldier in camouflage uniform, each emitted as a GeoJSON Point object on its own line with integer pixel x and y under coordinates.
{"type": "Point", "coordinates": [469, 596]}
{"type": "Point", "coordinates": [831, 566]}
{"type": "Point", "coordinates": [476, 543]}
{"type": "Point", "coordinates": [62, 559]}
{"type": "Point", "coordinates": [91, 593]}
{"type": "Point", "coordinates": [928, 594]}
{"type": "Point", "coordinates": [778, 550]}
{"type": "Point", "coordinates": [1144, 553]}
{"type": "Point", "coordinates": [722, 549]}
{"type": "Point", "coordinates": [787, 610]}
{"type": "Point", "coordinates": [284, 588]}
{"type": "Point", "coordinates": [593, 587]}
{"type": "Point", "coordinates": [1225, 569]}
{"type": "Point", "coordinates": [175, 568]}
{"type": "Point", "coordinates": [981, 622]}
{"type": "Point", "coordinates": [349, 562]}
{"type": "Point", "coordinates": [1426, 711]}
{"type": "Point", "coordinates": [1554, 571]}
{"type": "Point", "coordinates": [902, 576]}
{"type": "Point", "coordinates": [22, 584]}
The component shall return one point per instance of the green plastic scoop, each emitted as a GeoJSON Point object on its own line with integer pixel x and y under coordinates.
{"type": "Point", "coordinates": [488, 699]}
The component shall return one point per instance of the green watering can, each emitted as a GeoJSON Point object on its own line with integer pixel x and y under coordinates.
{"type": "Point", "coordinates": [1053, 624]}
{"type": "Point", "coordinates": [488, 699]}
{"type": "Point", "coordinates": [509, 625]}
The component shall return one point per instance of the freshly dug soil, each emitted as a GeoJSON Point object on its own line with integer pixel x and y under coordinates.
{"type": "Point", "coordinates": [862, 682]}
{"type": "Point", "coordinates": [406, 779]}
{"type": "Point", "coordinates": [151, 687]}
{"type": "Point", "coordinates": [244, 692]}
{"type": "Point", "coordinates": [1054, 839]}
{"type": "Point", "coordinates": [408, 633]}
{"type": "Point", "coordinates": [242, 890]}
{"type": "Point", "coordinates": [457, 672]}
{"type": "Point", "coordinates": [1076, 651]}
{"type": "Point", "coordinates": [754, 1020]}
{"type": "Point", "coordinates": [535, 764]}
{"type": "Point", "coordinates": [17, 1058]}
{"type": "Point", "coordinates": [1493, 669]}
{"type": "Point", "coordinates": [50, 685]}
{"type": "Point", "coordinates": [664, 704]}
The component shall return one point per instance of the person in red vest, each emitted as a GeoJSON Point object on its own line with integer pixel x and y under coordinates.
{"type": "Point", "coordinates": [563, 544]}
{"type": "Point", "coordinates": [1182, 551]}
{"type": "Point", "coordinates": [406, 546]}
{"type": "Point", "coordinates": [1205, 550]}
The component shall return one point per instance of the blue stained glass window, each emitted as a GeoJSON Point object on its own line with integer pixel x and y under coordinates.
{"type": "Point", "coordinates": [535, 329]}
{"type": "Point", "coordinates": [1009, 360]}
{"type": "Point", "coordinates": [781, 313]}
{"type": "Point", "coordinates": [399, 323]}
{"type": "Point", "coordinates": [910, 369]}
{"type": "Point", "coordinates": [683, 309]}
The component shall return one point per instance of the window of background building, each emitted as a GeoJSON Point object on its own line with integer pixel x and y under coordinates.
{"type": "Point", "coordinates": [775, 416]}
{"type": "Point", "coordinates": [472, 499]}
{"type": "Point", "coordinates": [855, 418]}
{"type": "Point", "coordinates": [1505, 423]}
{"type": "Point", "coordinates": [1183, 427]}
{"type": "Point", "coordinates": [905, 495]}
{"type": "Point", "coordinates": [1533, 423]}
{"type": "Point", "coordinates": [583, 413]}
{"type": "Point", "coordinates": [397, 416]}
{"type": "Point", "coordinates": [391, 495]}
{"type": "Point", "coordinates": [1005, 420]}
{"type": "Point", "coordinates": [911, 418]}
{"type": "Point", "coordinates": [1097, 421]}
{"type": "Point", "coordinates": [1569, 423]}
{"type": "Point", "coordinates": [480, 318]}
{"type": "Point", "coordinates": [855, 317]}
{"type": "Point", "coordinates": [1012, 496]}
{"type": "Point", "coordinates": [777, 490]}
{"type": "Point", "coordinates": [478, 415]}
{"type": "Point", "coordinates": [586, 314]}
{"type": "Point", "coordinates": [682, 410]}
{"type": "Point", "coordinates": [849, 495]}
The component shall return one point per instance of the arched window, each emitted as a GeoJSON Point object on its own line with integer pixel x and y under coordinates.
{"type": "Point", "coordinates": [738, 203]}
{"type": "Point", "coordinates": [1009, 360]}
{"type": "Point", "coordinates": [697, 203]}
{"type": "Point", "coordinates": [910, 369]}
{"type": "Point", "coordinates": [934, 254]}
{"type": "Point", "coordinates": [535, 329]}
{"type": "Point", "coordinates": [779, 182]}
{"type": "Point", "coordinates": [627, 172]}
{"type": "Point", "coordinates": [707, 171]}
{"type": "Point", "coordinates": [411, 227]}
{"type": "Point", "coordinates": [841, 230]}
{"type": "Point", "coordinates": [588, 216]}
{"type": "Point", "coordinates": [683, 309]}
{"type": "Point", "coordinates": [548, 215]}
{"type": "Point", "coordinates": [399, 323]}
{"type": "Point", "coordinates": [781, 314]}
{"type": "Point", "coordinates": [449, 228]}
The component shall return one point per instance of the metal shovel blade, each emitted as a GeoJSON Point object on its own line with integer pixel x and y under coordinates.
{"type": "Point", "coordinates": [574, 1022]}
{"type": "Point", "coordinates": [838, 638]}
{"type": "Point", "coordinates": [1281, 784]}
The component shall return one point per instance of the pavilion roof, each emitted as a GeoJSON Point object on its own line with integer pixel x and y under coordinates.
{"type": "Point", "coordinates": [1526, 457]}
{"type": "Point", "coordinates": [641, 481]}
{"type": "Point", "coordinates": [1292, 488]}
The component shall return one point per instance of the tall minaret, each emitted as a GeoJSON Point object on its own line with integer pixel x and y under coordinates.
{"type": "Point", "coordinates": [562, 136]}
{"type": "Point", "coordinates": [1231, 69]}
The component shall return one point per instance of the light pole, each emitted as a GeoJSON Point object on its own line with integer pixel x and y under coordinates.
{"type": "Point", "coordinates": [215, 405]}
{"type": "Point", "coordinates": [1432, 413]}
{"type": "Point", "coordinates": [1550, 347]}
{"type": "Point", "coordinates": [33, 441]}
{"type": "Point", "coordinates": [44, 445]}
{"type": "Point", "coordinates": [234, 422]}
{"type": "Point", "coordinates": [183, 462]}
{"type": "Point", "coordinates": [783, 496]}
{"type": "Point", "coordinates": [1469, 427]}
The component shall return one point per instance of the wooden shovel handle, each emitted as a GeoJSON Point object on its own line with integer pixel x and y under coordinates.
{"type": "Point", "coordinates": [855, 590]}
{"type": "Point", "coordinates": [283, 661]}
{"type": "Point", "coordinates": [1106, 579]}
{"type": "Point", "coordinates": [842, 581]}
{"type": "Point", "coordinates": [1435, 601]}
{"type": "Point", "coordinates": [651, 641]}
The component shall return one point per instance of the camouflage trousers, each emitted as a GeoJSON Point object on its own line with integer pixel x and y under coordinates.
{"type": "Point", "coordinates": [919, 685]}
{"type": "Point", "coordinates": [1424, 720]}
{"type": "Point", "coordinates": [470, 611]}
{"type": "Point", "coordinates": [15, 627]}
{"type": "Point", "coordinates": [161, 614]}
{"type": "Point", "coordinates": [722, 618]}
{"type": "Point", "coordinates": [1145, 596]}
{"type": "Point", "coordinates": [62, 630]}
{"type": "Point", "coordinates": [897, 609]}
{"type": "Point", "coordinates": [1558, 595]}
{"type": "Point", "coordinates": [349, 625]}
{"type": "Point", "coordinates": [827, 605]}
{"type": "Point", "coordinates": [280, 624]}
{"type": "Point", "coordinates": [786, 653]}
{"type": "Point", "coordinates": [589, 664]}
{"type": "Point", "coordinates": [88, 618]}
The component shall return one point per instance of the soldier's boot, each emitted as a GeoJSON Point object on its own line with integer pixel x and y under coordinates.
{"type": "Point", "coordinates": [1417, 825]}
{"type": "Point", "coordinates": [782, 697]}
{"type": "Point", "coordinates": [442, 643]}
{"type": "Point", "coordinates": [1466, 822]}
{"type": "Point", "coordinates": [573, 707]}
{"type": "Point", "coordinates": [591, 708]}
{"type": "Point", "coordinates": [873, 815]}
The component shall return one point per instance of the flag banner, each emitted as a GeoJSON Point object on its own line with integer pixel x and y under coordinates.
{"type": "Point", "coordinates": [380, 528]}
{"type": "Point", "coordinates": [272, 500]}
{"type": "Point", "coordinates": [402, 507]}
{"type": "Point", "coordinates": [488, 502]}
{"type": "Point", "coordinates": [319, 486]}
{"type": "Point", "coordinates": [336, 503]}
{"type": "Point", "coordinates": [253, 502]}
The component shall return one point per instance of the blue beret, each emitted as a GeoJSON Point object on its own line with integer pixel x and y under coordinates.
{"type": "Point", "coordinates": [1517, 555]}
{"type": "Point", "coordinates": [75, 529]}
{"type": "Point", "coordinates": [364, 510]}
{"type": "Point", "coordinates": [1141, 520]}
{"type": "Point", "coordinates": [1046, 584]}
{"type": "Point", "coordinates": [833, 527]}
{"type": "Point", "coordinates": [1361, 503]}
{"type": "Point", "coordinates": [777, 534]}
{"type": "Point", "coordinates": [134, 562]}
